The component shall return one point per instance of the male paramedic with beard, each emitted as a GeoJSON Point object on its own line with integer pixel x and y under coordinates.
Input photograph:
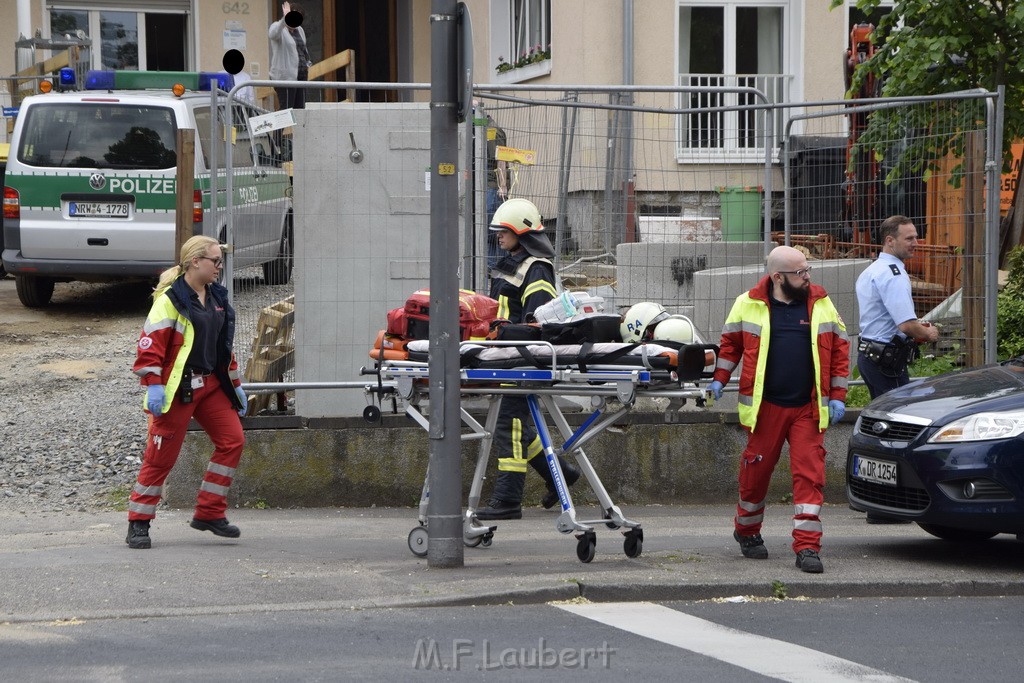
{"type": "Point", "coordinates": [796, 358]}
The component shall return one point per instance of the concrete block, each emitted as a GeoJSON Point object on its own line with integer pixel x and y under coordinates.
{"type": "Point", "coordinates": [716, 289]}
{"type": "Point", "coordinates": [665, 273]}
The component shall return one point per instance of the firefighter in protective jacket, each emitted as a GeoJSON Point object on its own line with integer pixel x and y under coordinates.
{"type": "Point", "coordinates": [796, 358]}
{"type": "Point", "coordinates": [185, 360]}
{"type": "Point", "coordinates": [520, 282]}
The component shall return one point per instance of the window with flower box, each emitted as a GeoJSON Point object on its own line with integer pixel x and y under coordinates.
{"type": "Point", "coordinates": [520, 39]}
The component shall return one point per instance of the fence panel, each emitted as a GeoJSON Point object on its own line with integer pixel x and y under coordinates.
{"type": "Point", "coordinates": [630, 220]}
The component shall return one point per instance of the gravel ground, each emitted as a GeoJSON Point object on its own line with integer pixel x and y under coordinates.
{"type": "Point", "coordinates": [73, 430]}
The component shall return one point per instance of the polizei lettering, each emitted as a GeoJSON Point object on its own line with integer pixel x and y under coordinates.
{"type": "Point", "coordinates": [142, 185]}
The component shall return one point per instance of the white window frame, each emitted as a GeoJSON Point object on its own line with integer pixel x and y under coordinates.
{"type": "Point", "coordinates": [783, 84]}
{"type": "Point", "coordinates": [95, 54]}
{"type": "Point", "coordinates": [508, 40]}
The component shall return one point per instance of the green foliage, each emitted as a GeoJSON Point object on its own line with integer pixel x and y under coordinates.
{"type": "Point", "coordinates": [1010, 309]}
{"type": "Point", "coordinates": [919, 46]}
{"type": "Point", "coordinates": [536, 54]}
{"type": "Point", "coordinates": [924, 366]}
{"type": "Point", "coordinates": [780, 590]}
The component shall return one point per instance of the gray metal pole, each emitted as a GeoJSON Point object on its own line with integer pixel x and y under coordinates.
{"type": "Point", "coordinates": [565, 166]}
{"type": "Point", "coordinates": [444, 511]}
{"type": "Point", "coordinates": [993, 165]}
{"type": "Point", "coordinates": [477, 229]}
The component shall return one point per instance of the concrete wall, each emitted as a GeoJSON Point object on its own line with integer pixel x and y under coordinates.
{"type": "Point", "coordinates": [329, 463]}
{"type": "Point", "coordinates": [667, 273]}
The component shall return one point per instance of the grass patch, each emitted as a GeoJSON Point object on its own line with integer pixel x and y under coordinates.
{"type": "Point", "coordinates": [117, 497]}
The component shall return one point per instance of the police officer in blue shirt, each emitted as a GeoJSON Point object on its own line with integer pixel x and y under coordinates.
{"type": "Point", "coordinates": [889, 328]}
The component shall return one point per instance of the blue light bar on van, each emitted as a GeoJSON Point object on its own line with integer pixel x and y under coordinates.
{"type": "Point", "coordinates": [222, 79]}
{"type": "Point", "coordinates": [99, 80]}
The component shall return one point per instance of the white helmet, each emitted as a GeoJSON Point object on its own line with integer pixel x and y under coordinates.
{"type": "Point", "coordinates": [518, 215]}
{"type": "Point", "coordinates": [676, 328]}
{"type": "Point", "coordinates": [639, 318]}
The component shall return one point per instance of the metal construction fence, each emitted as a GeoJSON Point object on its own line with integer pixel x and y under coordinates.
{"type": "Point", "coordinates": [646, 197]}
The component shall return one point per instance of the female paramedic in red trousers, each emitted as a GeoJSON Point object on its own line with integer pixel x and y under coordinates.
{"type": "Point", "coordinates": [796, 357]}
{"type": "Point", "coordinates": [185, 361]}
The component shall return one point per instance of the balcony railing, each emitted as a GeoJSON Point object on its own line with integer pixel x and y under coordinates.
{"type": "Point", "coordinates": [727, 133]}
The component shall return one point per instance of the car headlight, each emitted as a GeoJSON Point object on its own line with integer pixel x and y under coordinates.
{"type": "Point", "coordinates": [981, 427]}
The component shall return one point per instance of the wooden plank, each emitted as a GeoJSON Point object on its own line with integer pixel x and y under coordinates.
{"type": "Point", "coordinates": [58, 61]}
{"type": "Point", "coordinates": [185, 180]}
{"type": "Point", "coordinates": [333, 63]}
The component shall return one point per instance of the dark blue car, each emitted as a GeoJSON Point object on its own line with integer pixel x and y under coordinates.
{"type": "Point", "coordinates": [946, 452]}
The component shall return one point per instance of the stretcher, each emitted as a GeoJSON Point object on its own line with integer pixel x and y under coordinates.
{"type": "Point", "coordinates": [613, 376]}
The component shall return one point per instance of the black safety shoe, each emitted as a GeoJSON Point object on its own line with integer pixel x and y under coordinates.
{"type": "Point", "coordinates": [550, 498]}
{"type": "Point", "coordinates": [219, 527]}
{"type": "Point", "coordinates": [752, 547]}
{"type": "Point", "coordinates": [500, 509]}
{"type": "Point", "coordinates": [138, 535]}
{"type": "Point", "coordinates": [808, 561]}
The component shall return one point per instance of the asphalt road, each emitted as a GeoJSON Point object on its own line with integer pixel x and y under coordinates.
{"type": "Point", "coordinates": [923, 639]}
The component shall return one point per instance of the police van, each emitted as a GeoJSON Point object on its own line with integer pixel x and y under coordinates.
{"type": "Point", "coordinates": [90, 189]}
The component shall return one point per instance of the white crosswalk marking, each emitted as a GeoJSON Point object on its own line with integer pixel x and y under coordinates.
{"type": "Point", "coordinates": [765, 656]}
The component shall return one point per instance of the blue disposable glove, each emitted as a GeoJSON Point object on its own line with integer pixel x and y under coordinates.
{"type": "Point", "coordinates": [836, 410]}
{"type": "Point", "coordinates": [245, 401]}
{"type": "Point", "coordinates": [155, 399]}
{"type": "Point", "coordinates": [716, 389]}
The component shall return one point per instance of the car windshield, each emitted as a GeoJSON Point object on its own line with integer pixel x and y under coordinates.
{"type": "Point", "coordinates": [98, 135]}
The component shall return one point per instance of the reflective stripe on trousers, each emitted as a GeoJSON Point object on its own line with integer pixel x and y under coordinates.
{"type": "Point", "coordinates": [775, 426]}
{"type": "Point", "coordinates": [212, 409]}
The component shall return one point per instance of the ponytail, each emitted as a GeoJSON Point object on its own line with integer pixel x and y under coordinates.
{"type": "Point", "coordinates": [166, 278]}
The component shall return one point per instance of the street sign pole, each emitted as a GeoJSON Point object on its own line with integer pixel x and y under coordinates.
{"type": "Point", "coordinates": [444, 511]}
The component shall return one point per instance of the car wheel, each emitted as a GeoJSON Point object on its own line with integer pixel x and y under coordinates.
{"type": "Point", "coordinates": [34, 291]}
{"type": "Point", "coordinates": [948, 533]}
{"type": "Point", "coordinates": [279, 271]}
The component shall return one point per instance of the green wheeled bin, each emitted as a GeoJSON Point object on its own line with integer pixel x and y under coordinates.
{"type": "Point", "coordinates": [741, 213]}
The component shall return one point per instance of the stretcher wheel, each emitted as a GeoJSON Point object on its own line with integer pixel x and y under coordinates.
{"type": "Point", "coordinates": [633, 544]}
{"type": "Point", "coordinates": [371, 413]}
{"type": "Point", "coordinates": [418, 541]}
{"type": "Point", "coordinates": [486, 540]}
{"type": "Point", "coordinates": [586, 548]}
{"type": "Point", "coordinates": [472, 542]}
{"type": "Point", "coordinates": [610, 525]}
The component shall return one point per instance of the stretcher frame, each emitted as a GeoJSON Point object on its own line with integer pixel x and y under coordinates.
{"type": "Point", "coordinates": [407, 380]}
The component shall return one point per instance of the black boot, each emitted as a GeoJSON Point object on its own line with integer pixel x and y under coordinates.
{"type": "Point", "coordinates": [569, 472]}
{"type": "Point", "coordinates": [138, 535]}
{"type": "Point", "coordinates": [506, 499]}
{"type": "Point", "coordinates": [220, 527]}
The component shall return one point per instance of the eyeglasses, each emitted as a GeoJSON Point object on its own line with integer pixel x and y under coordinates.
{"type": "Point", "coordinates": [217, 262]}
{"type": "Point", "coordinates": [803, 272]}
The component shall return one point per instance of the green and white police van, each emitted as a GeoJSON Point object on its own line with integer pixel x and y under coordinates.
{"type": "Point", "coordinates": [90, 189]}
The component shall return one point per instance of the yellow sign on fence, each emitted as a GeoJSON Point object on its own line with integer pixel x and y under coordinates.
{"type": "Point", "coordinates": [519, 156]}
